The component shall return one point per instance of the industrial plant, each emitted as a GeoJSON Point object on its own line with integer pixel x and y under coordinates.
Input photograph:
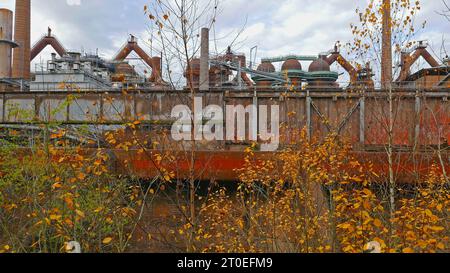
{"type": "Point", "coordinates": [191, 147]}
{"type": "Point", "coordinates": [320, 104]}
{"type": "Point", "coordinates": [90, 72]}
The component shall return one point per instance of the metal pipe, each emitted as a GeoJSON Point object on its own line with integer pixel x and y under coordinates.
{"type": "Point", "coordinates": [204, 60]}
{"type": "Point", "coordinates": [6, 43]}
{"type": "Point", "coordinates": [430, 60]}
{"type": "Point", "coordinates": [243, 75]}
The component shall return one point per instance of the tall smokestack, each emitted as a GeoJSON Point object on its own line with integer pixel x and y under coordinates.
{"type": "Point", "coordinates": [21, 63]}
{"type": "Point", "coordinates": [386, 55]}
{"type": "Point", "coordinates": [204, 60]}
{"type": "Point", "coordinates": [6, 43]}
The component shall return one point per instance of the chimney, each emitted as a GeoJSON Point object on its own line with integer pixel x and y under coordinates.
{"type": "Point", "coordinates": [21, 61]}
{"type": "Point", "coordinates": [204, 60]}
{"type": "Point", "coordinates": [386, 51]}
{"type": "Point", "coordinates": [6, 43]}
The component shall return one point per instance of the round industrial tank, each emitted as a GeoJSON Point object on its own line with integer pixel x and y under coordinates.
{"type": "Point", "coordinates": [319, 65]}
{"type": "Point", "coordinates": [266, 67]}
{"type": "Point", "coordinates": [6, 27]}
{"type": "Point", "coordinates": [291, 64]}
{"type": "Point", "coordinates": [291, 67]}
{"type": "Point", "coordinates": [320, 74]}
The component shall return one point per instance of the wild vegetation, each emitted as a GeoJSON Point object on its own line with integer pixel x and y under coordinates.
{"type": "Point", "coordinates": [52, 197]}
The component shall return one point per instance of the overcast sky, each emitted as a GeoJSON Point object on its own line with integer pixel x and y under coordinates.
{"type": "Point", "coordinates": [277, 27]}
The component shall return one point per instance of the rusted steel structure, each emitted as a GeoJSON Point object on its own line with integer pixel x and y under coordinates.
{"type": "Point", "coordinates": [408, 59]}
{"type": "Point", "coordinates": [421, 125]}
{"type": "Point", "coordinates": [217, 74]}
{"type": "Point", "coordinates": [50, 40]}
{"type": "Point", "coordinates": [336, 56]}
{"type": "Point", "coordinates": [154, 62]}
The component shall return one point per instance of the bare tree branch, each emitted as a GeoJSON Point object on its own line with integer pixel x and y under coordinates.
{"type": "Point", "coordinates": [446, 12]}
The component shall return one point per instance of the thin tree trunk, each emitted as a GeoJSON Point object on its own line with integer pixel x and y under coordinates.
{"type": "Point", "coordinates": [392, 183]}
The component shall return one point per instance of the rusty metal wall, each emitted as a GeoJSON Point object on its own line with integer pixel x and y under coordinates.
{"type": "Point", "coordinates": [421, 118]}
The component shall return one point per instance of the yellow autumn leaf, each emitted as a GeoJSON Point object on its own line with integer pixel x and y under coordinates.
{"type": "Point", "coordinates": [345, 226]}
{"type": "Point", "coordinates": [81, 176]}
{"type": "Point", "coordinates": [68, 222]}
{"type": "Point", "coordinates": [436, 228]}
{"type": "Point", "coordinates": [377, 223]}
{"type": "Point", "coordinates": [57, 185]}
{"type": "Point", "coordinates": [408, 250]}
{"type": "Point", "coordinates": [107, 240]}
{"type": "Point", "coordinates": [99, 209]}
{"type": "Point", "coordinates": [98, 162]}
{"type": "Point", "coordinates": [80, 213]}
{"type": "Point", "coordinates": [69, 201]}
{"type": "Point", "coordinates": [241, 224]}
{"type": "Point", "coordinates": [54, 217]}
{"type": "Point", "coordinates": [366, 205]}
{"type": "Point", "coordinates": [357, 179]}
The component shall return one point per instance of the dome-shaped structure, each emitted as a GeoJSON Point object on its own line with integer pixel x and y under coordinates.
{"type": "Point", "coordinates": [266, 67]}
{"type": "Point", "coordinates": [291, 64]}
{"type": "Point", "coordinates": [319, 65]}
